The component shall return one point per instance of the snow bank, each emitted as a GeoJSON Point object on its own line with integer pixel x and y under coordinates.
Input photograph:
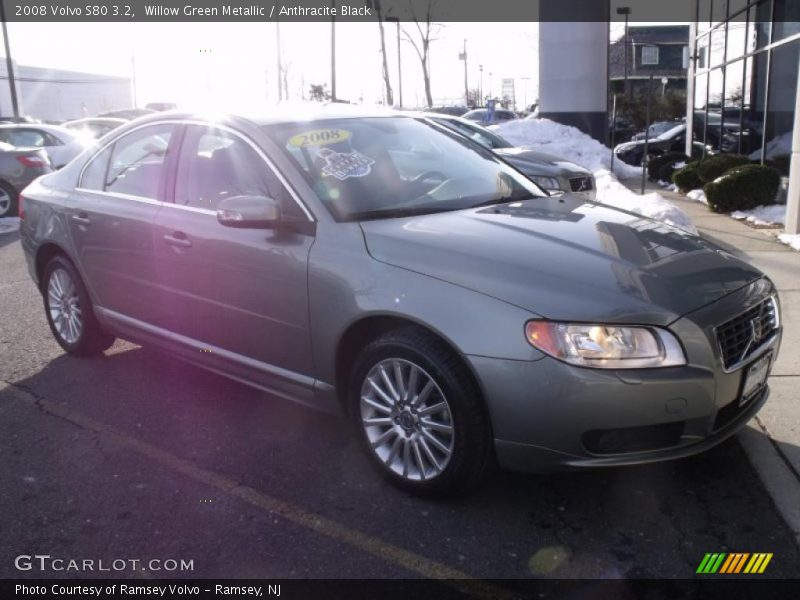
{"type": "Point", "coordinates": [762, 215]}
{"type": "Point", "coordinates": [9, 224]}
{"type": "Point", "coordinates": [655, 206]}
{"type": "Point", "coordinates": [571, 144]}
{"type": "Point", "coordinates": [791, 240]}
{"type": "Point", "coordinates": [565, 142]}
{"type": "Point", "coordinates": [698, 196]}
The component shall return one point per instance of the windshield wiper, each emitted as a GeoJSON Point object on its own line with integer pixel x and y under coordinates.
{"type": "Point", "coordinates": [505, 200]}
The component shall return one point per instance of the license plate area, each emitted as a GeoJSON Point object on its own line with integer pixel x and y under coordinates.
{"type": "Point", "coordinates": [755, 378]}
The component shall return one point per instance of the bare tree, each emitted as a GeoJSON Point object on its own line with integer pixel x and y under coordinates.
{"type": "Point", "coordinates": [319, 92]}
{"type": "Point", "coordinates": [425, 31]}
{"type": "Point", "coordinates": [386, 81]}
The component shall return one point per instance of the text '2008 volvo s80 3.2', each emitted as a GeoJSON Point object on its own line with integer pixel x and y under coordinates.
{"type": "Point", "coordinates": [387, 268]}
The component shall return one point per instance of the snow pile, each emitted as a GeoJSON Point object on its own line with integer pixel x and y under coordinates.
{"type": "Point", "coordinates": [9, 224]}
{"type": "Point", "coordinates": [610, 191]}
{"type": "Point", "coordinates": [563, 141]}
{"type": "Point", "coordinates": [571, 144]}
{"type": "Point", "coordinates": [698, 196]}
{"type": "Point", "coordinates": [762, 215]}
{"type": "Point", "coordinates": [791, 240]}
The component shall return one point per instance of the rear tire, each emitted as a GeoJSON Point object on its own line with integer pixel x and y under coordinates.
{"type": "Point", "coordinates": [8, 200]}
{"type": "Point", "coordinates": [69, 310]}
{"type": "Point", "coordinates": [420, 414]}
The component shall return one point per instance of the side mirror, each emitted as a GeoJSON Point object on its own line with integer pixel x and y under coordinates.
{"type": "Point", "coordinates": [249, 212]}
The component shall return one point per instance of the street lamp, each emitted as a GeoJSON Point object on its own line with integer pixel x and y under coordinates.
{"type": "Point", "coordinates": [625, 10]}
{"type": "Point", "coordinates": [480, 86]}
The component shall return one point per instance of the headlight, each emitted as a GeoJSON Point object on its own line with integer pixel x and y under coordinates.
{"type": "Point", "coordinates": [606, 346]}
{"type": "Point", "coordinates": [547, 183]}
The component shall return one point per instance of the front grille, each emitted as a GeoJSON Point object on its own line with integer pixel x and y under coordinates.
{"type": "Point", "coordinates": [581, 184]}
{"type": "Point", "coordinates": [740, 337]}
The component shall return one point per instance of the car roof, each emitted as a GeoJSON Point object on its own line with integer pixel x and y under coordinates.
{"type": "Point", "coordinates": [280, 114]}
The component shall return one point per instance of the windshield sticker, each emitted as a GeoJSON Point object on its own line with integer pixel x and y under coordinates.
{"type": "Point", "coordinates": [344, 165]}
{"type": "Point", "coordinates": [319, 137]}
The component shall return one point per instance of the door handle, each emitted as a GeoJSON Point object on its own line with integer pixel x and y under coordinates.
{"type": "Point", "coordinates": [178, 238]}
{"type": "Point", "coordinates": [82, 218]}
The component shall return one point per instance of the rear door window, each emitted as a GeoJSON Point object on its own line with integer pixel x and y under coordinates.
{"type": "Point", "coordinates": [138, 162]}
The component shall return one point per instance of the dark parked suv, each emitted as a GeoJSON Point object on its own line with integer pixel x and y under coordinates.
{"type": "Point", "coordinates": [383, 266]}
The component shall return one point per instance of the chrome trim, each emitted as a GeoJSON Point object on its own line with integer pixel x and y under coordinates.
{"type": "Point", "coordinates": [240, 135]}
{"type": "Point", "coordinates": [251, 363]}
{"type": "Point", "coordinates": [764, 347]}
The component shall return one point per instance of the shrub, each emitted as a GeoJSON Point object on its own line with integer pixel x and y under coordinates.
{"type": "Point", "coordinates": [666, 172]}
{"type": "Point", "coordinates": [743, 188]}
{"type": "Point", "coordinates": [655, 163]}
{"type": "Point", "coordinates": [687, 178]}
{"type": "Point", "coordinates": [716, 166]}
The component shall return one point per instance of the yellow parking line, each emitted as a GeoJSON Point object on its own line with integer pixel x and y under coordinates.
{"type": "Point", "coordinates": [415, 563]}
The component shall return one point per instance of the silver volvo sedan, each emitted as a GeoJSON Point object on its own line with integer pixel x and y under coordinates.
{"type": "Point", "coordinates": [381, 266]}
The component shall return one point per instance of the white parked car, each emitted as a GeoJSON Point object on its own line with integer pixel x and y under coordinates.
{"type": "Point", "coordinates": [61, 145]}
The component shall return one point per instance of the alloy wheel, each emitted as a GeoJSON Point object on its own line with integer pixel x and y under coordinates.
{"type": "Point", "coordinates": [407, 419]}
{"type": "Point", "coordinates": [5, 203]}
{"type": "Point", "coordinates": [64, 306]}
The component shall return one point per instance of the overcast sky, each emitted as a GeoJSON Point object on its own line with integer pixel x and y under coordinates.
{"type": "Point", "coordinates": [234, 65]}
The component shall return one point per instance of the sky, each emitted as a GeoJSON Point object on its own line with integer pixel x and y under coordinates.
{"type": "Point", "coordinates": [235, 65]}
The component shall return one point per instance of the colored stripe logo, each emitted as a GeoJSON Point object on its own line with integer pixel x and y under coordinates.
{"type": "Point", "coordinates": [734, 563]}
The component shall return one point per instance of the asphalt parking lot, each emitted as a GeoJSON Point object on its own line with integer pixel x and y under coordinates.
{"type": "Point", "coordinates": [138, 456]}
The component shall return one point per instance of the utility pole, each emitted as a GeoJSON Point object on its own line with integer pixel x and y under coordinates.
{"type": "Point", "coordinates": [625, 10]}
{"type": "Point", "coordinates": [466, 85]}
{"type": "Point", "coordinates": [280, 64]}
{"type": "Point", "coordinates": [12, 84]}
{"type": "Point", "coordinates": [333, 52]}
{"type": "Point", "coordinates": [133, 79]}
{"type": "Point", "coordinates": [525, 81]}
{"type": "Point", "coordinates": [396, 20]}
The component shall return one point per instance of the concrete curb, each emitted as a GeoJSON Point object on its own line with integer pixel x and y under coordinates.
{"type": "Point", "coordinates": [780, 481]}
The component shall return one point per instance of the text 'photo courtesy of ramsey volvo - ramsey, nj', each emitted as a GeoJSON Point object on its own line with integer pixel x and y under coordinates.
{"type": "Point", "coordinates": [386, 267]}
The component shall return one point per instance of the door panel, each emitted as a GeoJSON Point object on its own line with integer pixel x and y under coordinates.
{"type": "Point", "coordinates": [113, 232]}
{"type": "Point", "coordinates": [242, 290]}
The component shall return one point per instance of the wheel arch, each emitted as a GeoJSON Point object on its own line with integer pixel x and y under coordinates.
{"type": "Point", "coordinates": [45, 253]}
{"type": "Point", "coordinates": [367, 328]}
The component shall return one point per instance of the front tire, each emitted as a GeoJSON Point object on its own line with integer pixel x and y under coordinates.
{"type": "Point", "coordinates": [420, 414]}
{"type": "Point", "coordinates": [69, 310]}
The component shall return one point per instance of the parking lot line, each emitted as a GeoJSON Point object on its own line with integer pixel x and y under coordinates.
{"type": "Point", "coordinates": [410, 561]}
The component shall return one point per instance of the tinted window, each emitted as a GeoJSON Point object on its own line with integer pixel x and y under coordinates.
{"type": "Point", "coordinates": [137, 161]}
{"type": "Point", "coordinates": [215, 165]}
{"type": "Point", "coordinates": [95, 173]}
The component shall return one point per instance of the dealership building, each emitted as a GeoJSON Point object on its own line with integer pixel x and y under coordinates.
{"type": "Point", "coordinates": [59, 95]}
{"type": "Point", "coordinates": [743, 64]}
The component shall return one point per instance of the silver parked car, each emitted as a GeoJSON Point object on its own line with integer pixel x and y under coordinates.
{"type": "Point", "coordinates": [18, 167]}
{"type": "Point", "coordinates": [556, 175]}
{"type": "Point", "coordinates": [378, 265]}
{"type": "Point", "coordinates": [61, 145]}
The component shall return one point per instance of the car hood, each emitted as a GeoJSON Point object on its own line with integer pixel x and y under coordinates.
{"type": "Point", "coordinates": [544, 164]}
{"type": "Point", "coordinates": [564, 259]}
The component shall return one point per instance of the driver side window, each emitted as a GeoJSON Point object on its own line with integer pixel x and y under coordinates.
{"type": "Point", "coordinates": [215, 164]}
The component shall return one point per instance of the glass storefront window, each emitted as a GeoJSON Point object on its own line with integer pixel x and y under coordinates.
{"type": "Point", "coordinates": [787, 19]}
{"type": "Point", "coordinates": [760, 15]}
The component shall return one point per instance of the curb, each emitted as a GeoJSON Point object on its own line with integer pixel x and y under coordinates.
{"type": "Point", "coordinates": [780, 481]}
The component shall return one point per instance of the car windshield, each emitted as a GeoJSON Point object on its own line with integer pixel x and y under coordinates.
{"type": "Point", "coordinates": [475, 132]}
{"type": "Point", "coordinates": [385, 167]}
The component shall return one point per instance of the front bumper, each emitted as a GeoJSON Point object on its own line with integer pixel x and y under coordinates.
{"type": "Point", "coordinates": [549, 415]}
